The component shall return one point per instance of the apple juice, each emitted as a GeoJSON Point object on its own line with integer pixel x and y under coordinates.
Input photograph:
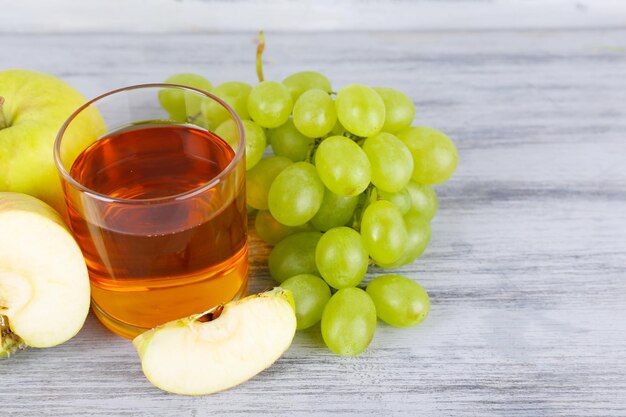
{"type": "Point", "coordinates": [154, 254]}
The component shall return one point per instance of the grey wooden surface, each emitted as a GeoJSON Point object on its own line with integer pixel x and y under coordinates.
{"type": "Point", "coordinates": [176, 16]}
{"type": "Point", "coordinates": [527, 265]}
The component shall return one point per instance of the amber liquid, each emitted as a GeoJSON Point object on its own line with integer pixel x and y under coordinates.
{"type": "Point", "coordinates": [152, 261]}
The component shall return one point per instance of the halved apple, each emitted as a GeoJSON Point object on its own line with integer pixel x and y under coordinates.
{"type": "Point", "coordinates": [220, 348]}
{"type": "Point", "coordinates": [44, 285]}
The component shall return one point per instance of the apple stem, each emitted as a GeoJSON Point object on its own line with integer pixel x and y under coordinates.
{"type": "Point", "coordinates": [3, 122]}
{"type": "Point", "coordinates": [259, 54]}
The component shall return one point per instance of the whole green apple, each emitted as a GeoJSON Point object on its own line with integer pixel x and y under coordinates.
{"type": "Point", "coordinates": [33, 107]}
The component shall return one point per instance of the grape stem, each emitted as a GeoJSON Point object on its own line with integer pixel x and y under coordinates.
{"type": "Point", "coordinates": [192, 119]}
{"type": "Point", "coordinates": [365, 199]}
{"type": "Point", "coordinates": [312, 149]}
{"type": "Point", "coordinates": [259, 56]}
{"type": "Point", "coordinates": [355, 138]}
{"type": "Point", "coordinates": [3, 122]}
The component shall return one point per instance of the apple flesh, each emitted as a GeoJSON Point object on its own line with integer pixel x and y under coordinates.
{"type": "Point", "coordinates": [193, 356]}
{"type": "Point", "coordinates": [44, 285]}
{"type": "Point", "coordinates": [33, 108]}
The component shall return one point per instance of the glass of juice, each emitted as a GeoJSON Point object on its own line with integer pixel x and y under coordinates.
{"type": "Point", "coordinates": [156, 201]}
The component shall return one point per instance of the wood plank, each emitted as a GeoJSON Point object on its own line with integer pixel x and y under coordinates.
{"type": "Point", "coordinates": [175, 16]}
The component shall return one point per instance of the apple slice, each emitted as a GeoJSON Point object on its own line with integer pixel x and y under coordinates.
{"type": "Point", "coordinates": [193, 356]}
{"type": "Point", "coordinates": [44, 285]}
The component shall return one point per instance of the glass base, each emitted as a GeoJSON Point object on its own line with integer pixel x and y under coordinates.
{"type": "Point", "coordinates": [129, 331]}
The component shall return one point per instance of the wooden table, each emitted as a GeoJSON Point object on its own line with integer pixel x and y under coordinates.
{"type": "Point", "coordinates": [527, 265]}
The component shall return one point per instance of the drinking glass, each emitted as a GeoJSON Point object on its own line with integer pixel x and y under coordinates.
{"type": "Point", "coordinates": [156, 202]}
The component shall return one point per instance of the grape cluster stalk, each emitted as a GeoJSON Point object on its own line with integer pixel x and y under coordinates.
{"type": "Point", "coordinates": [349, 185]}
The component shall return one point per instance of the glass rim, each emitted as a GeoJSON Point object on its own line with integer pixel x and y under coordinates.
{"type": "Point", "coordinates": [169, 198]}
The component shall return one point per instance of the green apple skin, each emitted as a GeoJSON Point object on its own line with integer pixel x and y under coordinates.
{"type": "Point", "coordinates": [35, 107]}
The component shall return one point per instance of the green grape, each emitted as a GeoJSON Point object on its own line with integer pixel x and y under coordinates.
{"type": "Point", "coordinates": [229, 132]}
{"type": "Point", "coordinates": [270, 104]}
{"type": "Point", "coordinates": [183, 105]}
{"type": "Point", "coordinates": [314, 113]}
{"type": "Point", "coordinates": [254, 137]}
{"type": "Point", "coordinates": [338, 130]}
{"type": "Point", "coordinates": [260, 178]}
{"type": "Point", "coordinates": [383, 231]}
{"type": "Point", "coordinates": [423, 199]}
{"type": "Point", "coordinates": [392, 164]}
{"type": "Point", "coordinates": [341, 257]}
{"type": "Point", "coordinates": [294, 255]}
{"type": "Point", "coordinates": [296, 194]}
{"type": "Point", "coordinates": [235, 94]}
{"type": "Point", "coordinates": [434, 155]}
{"type": "Point", "coordinates": [399, 301]}
{"type": "Point", "coordinates": [418, 232]}
{"type": "Point", "coordinates": [399, 109]}
{"type": "Point", "coordinates": [335, 211]}
{"type": "Point", "coordinates": [343, 166]}
{"type": "Point", "coordinates": [401, 199]}
{"type": "Point", "coordinates": [300, 82]}
{"type": "Point", "coordinates": [271, 231]}
{"type": "Point", "coordinates": [287, 141]}
{"type": "Point", "coordinates": [349, 322]}
{"type": "Point", "coordinates": [310, 294]}
{"type": "Point", "coordinates": [360, 110]}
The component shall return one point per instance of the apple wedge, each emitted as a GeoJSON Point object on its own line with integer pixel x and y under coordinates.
{"type": "Point", "coordinates": [44, 285]}
{"type": "Point", "coordinates": [218, 349]}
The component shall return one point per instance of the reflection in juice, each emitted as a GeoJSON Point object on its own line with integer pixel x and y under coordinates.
{"type": "Point", "coordinates": [155, 261]}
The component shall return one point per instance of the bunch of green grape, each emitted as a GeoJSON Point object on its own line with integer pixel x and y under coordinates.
{"type": "Point", "coordinates": [349, 184]}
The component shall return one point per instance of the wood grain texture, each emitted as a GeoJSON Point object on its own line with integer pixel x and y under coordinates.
{"type": "Point", "coordinates": [527, 265]}
{"type": "Point", "coordinates": [175, 16]}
